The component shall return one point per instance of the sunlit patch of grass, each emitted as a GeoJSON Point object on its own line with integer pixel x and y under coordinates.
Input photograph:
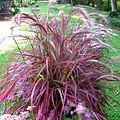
{"type": "Point", "coordinates": [1, 109]}
{"type": "Point", "coordinates": [5, 52]}
{"type": "Point", "coordinates": [43, 10]}
{"type": "Point", "coordinates": [114, 54]}
{"type": "Point", "coordinates": [113, 110]}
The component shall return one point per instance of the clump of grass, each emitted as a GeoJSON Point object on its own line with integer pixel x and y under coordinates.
{"type": "Point", "coordinates": [60, 63]}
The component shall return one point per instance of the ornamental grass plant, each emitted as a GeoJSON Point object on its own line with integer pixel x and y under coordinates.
{"type": "Point", "coordinates": [58, 73]}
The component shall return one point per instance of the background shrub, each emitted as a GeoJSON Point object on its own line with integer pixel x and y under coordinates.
{"type": "Point", "coordinates": [36, 5]}
{"type": "Point", "coordinates": [32, 3]}
{"type": "Point", "coordinates": [25, 5]}
{"type": "Point", "coordinates": [115, 14]}
{"type": "Point", "coordinates": [114, 23]}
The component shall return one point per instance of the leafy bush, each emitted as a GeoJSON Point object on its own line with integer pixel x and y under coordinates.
{"type": "Point", "coordinates": [106, 5]}
{"type": "Point", "coordinates": [115, 14]}
{"type": "Point", "coordinates": [57, 71]}
{"type": "Point", "coordinates": [114, 23]}
{"type": "Point", "coordinates": [1, 6]}
{"type": "Point", "coordinates": [36, 5]}
{"type": "Point", "coordinates": [25, 5]}
{"type": "Point", "coordinates": [15, 10]}
{"type": "Point", "coordinates": [118, 5]}
{"type": "Point", "coordinates": [32, 2]}
{"type": "Point", "coordinates": [83, 2]}
{"type": "Point", "coordinates": [99, 4]}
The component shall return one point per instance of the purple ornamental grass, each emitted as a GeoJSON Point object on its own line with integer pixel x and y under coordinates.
{"type": "Point", "coordinates": [58, 63]}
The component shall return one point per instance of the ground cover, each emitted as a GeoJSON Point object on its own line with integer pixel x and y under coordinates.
{"type": "Point", "coordinates": [113, 113]}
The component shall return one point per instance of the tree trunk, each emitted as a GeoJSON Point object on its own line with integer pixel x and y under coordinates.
{"type": "Point", "coordinates": [113, 5]}
{"type": "Point", "coordinates": [71, 2]}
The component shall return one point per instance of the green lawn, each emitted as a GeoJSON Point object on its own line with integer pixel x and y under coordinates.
{"type": "Point", "coordinates": [115, 54]}
{"type": "Point", "coordinates": [66, 8]}
{"type": "Point", "coordinates": [114, 112]}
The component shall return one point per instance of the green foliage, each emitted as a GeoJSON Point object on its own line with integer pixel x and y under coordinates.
{"type": "Point", "coordinates": [36, 5]}
{"type": "Point", "coordinates": [32, 2]}
{"type": "Point", "coordinates": [83, 2]}
{"type": "Point", "coordinates": [106, 5]}
{"type": "Point", "coordinates": [25, 5]}
{"type": "Point", "coordinates": [15, 10]}
{"type": "Point", "coordinates": [114, 22]}
{"type": "Point", "coordinates": [1, 5]}
{"type": "Point", "coordinates": [1, 109]}
{"type": "Point", "coordinates": [115, 14]}
{"type": "Point", "coordinates": [99, 4]}
{"type": "Point", "coordinates": [118, 4]}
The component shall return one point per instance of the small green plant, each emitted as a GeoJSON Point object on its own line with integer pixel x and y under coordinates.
{"type": "Point", "coordinates": [58, 73]}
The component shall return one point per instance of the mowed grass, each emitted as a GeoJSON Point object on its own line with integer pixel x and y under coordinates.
{"type": "Point", "coordinates": [44, 5]}
{"type": "Point", "coordinates": [114, 111]}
